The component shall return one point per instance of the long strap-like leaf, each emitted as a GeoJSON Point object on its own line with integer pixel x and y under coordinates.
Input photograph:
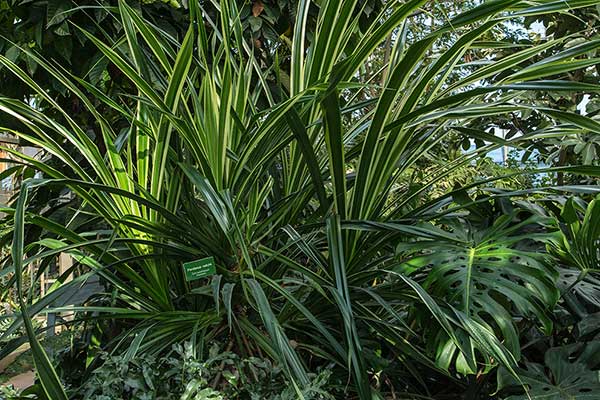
{"type": "Point", "coordinates": [48, 377]}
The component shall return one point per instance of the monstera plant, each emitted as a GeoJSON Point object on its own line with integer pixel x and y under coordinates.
{"type": "Point", "coordinates": [568, 372]}
{"type": "Point", "coordinates": [484, 275]}
{"type": "Point", "coordinates": [577, 245]}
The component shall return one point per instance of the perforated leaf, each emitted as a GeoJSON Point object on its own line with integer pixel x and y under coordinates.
{"type": "Point", "coordinates": [485, 276]}
{"type": "Point", "coordinates": [570, 373]}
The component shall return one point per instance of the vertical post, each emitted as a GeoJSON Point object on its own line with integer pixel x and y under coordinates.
{"type": "Point", "coordinates": [64, 263]}
{"type": "Point", "coordinates": [43, 284]}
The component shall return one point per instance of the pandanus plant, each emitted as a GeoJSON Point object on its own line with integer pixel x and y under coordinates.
{"type": "Point", "coordinates": [297, 200]}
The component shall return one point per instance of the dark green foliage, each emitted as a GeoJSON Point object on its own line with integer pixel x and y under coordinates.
{"type": "Point", "coordinates": [181, 375]}
{"type": "Point", "coordinates": [485, 275]}
{"type": "Point", "coordinates": [568, 372]}
{"type": "Point", "coordinates": [299, 193]}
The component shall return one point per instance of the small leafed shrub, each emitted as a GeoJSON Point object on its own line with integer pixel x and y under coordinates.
{"type": "Point", "coordinates": [180, 375]}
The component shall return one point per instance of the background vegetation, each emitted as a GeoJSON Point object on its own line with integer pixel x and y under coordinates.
{"type": "Point", "coordinates": [332, 157]}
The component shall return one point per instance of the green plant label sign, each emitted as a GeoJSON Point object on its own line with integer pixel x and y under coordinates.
{"type": "Point", "coordinates": [199, 269]}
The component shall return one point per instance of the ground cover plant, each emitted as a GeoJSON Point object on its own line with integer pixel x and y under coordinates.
{"type": "Point", "coordinates": [343, 269]}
